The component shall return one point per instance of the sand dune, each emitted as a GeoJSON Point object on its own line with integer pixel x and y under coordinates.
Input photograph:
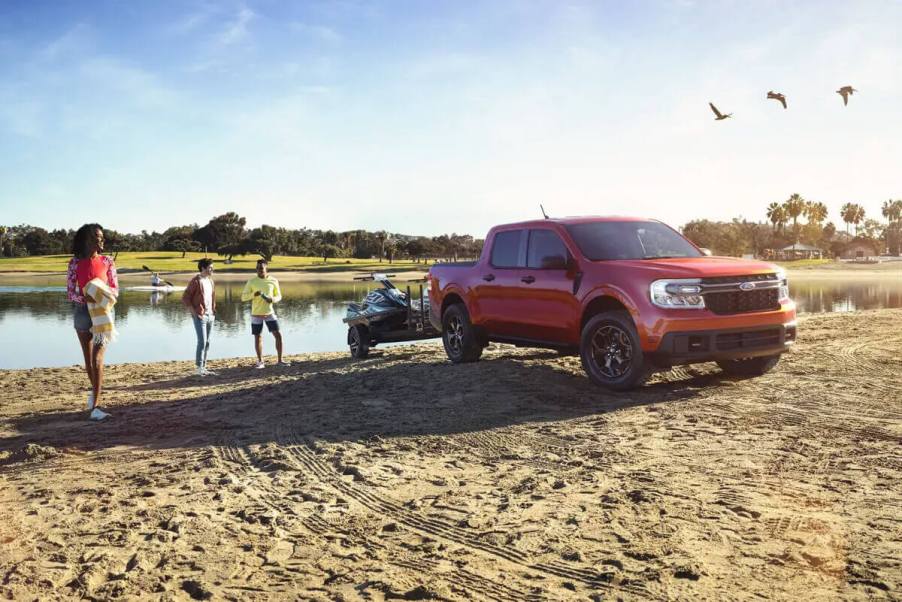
{"type": "Point", "coordinates": [404, 476]}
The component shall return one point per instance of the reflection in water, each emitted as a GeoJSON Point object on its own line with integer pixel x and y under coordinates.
{"type": "Point", "coordinates": [155, 327]}
{"type": "Point", "coordinates": [36, 321]}
{"type": "Point", "coordinates": [818, 296]}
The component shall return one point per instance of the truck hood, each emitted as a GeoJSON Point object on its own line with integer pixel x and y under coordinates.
{"type": "Point", "coordinates": [693, 267]}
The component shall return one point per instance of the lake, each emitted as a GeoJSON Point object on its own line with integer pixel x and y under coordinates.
{"type": "Point", "coordinates": [36, 319]}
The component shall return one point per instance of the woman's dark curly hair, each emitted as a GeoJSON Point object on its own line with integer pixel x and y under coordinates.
{"type": "Point", "coordinates": [81, 238]}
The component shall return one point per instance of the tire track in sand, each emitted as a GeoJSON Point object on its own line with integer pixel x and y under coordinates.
{"type": "Point", "coordinates": [309, 460]}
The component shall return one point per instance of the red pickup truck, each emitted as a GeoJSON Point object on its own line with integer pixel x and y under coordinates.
{"type": "Point", "coordinates": [631, 296]}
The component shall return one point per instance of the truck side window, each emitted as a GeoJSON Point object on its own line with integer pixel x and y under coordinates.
{"type": "Point", "coordinates": [546, 251]}
{"type": "Point", "coordinates": [506, 249]}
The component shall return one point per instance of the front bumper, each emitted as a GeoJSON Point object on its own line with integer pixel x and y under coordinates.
{"type": "Point", "coordinates": [732, 343]}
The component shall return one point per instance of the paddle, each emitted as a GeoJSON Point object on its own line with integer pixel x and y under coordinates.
{"type": "Point", "coordinates": [147, 269]}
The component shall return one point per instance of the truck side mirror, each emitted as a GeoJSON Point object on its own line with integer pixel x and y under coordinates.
{"type": "Point", "coordinates": [706, 252]}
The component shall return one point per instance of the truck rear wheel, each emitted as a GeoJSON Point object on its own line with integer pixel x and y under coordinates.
{"type": "Point", "coordinates": [749, 366]}
{"type": "Point", "coordinates": [611, 353]}
{"type": "Point", "coordinates": [459, 338]}
{"type": "Point", "coordinates": [359, 341]}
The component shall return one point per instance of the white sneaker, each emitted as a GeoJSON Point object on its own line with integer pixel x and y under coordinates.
{"type": "Point", "coordinates": [90, 403]}
{"type": "Point", "coordinates": [98, 414]}
{"type": "Point", "coordinates": [201, 371]}
{"type": "Point", "coordinates": [260, 366]}
{"type": "Point", "coordinates": [283, 363]}
{"type": "Point", "coordinates": [209, 372]}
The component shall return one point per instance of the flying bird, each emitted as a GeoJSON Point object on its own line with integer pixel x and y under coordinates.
{"type": "Point", "coordinates": [718, 113]}
{"type": "Point", "coordinates": [846, 92]}
{"type": "Point", "coordinates": [777, 96]}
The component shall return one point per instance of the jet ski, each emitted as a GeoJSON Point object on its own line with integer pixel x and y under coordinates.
{"type": "Point", "coordinates": [387, 314]}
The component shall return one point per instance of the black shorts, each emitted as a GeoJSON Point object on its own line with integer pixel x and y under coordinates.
{"type": "Point", "coordinates": [257, 325]}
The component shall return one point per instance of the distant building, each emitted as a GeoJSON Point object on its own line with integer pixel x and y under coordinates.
{"type": "Point", "coordinates": [798, 251]}
{"type": "Point", "coordinates": [860, 249]}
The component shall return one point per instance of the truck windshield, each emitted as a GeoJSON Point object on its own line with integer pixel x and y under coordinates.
{"type": "Point", "coordinates": [601, 241]}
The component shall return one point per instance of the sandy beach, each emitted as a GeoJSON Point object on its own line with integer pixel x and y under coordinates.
{"type": "Point", "coordinates": [406, 477]}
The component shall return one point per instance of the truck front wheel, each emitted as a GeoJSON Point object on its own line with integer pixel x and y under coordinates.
{"type": "Point", "coordinates": [749, 366]}
{"type": "Point", "coordinates": [458, 336]}
{"type": "Point", "coordinates": [610, 352]}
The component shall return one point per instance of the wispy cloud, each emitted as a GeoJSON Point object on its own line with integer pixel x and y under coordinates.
{"type": "Point", "coordinates": [189, 23]}
{"type": "Point", "coordinates": [319, 33]}
{"type": "Point", "coordinates": [74, 41]}
{"type": "Point", "coordinates": [236, 30]}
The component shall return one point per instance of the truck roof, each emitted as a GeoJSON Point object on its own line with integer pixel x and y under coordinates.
{"type": "Point", "coordinates": [569, 221]}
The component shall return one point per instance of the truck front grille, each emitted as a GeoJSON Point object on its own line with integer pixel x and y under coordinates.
{"type": "Point", "coordinates": [724, 295]}
{"type": "Point", "coordinates": [740, 302]}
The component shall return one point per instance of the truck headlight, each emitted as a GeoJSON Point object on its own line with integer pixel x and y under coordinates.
{"type": "Point", "coordinates": [677, 294]}
{"type": "Point", "coordinates": [783, 293]}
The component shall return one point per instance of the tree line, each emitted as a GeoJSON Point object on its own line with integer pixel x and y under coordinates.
{"type": "Point", "coordinates": [228, 235]}
{"type": "Point", "coordinates": [795, 220]}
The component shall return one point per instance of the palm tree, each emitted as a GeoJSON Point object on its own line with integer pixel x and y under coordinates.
{"type": "Point", "coordinates": [857, 216]}
{"type": "Point", "coordinates": [848, 214]}
{"type": "Point", "coordinates": [892, 210]}
{"type": "Point", "coordinates": [816, 212]}
{"type": "Point", "coordinates": [776, 215]}
{"type": "Point", "coordinates": [794, 207]}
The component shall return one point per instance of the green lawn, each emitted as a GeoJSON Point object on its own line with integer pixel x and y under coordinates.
{"type": "Point", "coordinates": [172, 261]}
{"type": "Point", "coordinates": [804, 263]}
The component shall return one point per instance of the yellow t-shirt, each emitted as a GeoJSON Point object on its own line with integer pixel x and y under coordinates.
{"type": "Point", "coordinates": [268, 286]}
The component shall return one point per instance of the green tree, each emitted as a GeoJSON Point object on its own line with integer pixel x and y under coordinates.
{"type": "Point", "coordinates": [224, 230]}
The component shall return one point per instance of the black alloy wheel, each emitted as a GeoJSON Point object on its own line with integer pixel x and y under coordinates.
{"type": "Point", "coordinates": [611, 353]}
{"type": "Point", "coordinates": [458, 335]}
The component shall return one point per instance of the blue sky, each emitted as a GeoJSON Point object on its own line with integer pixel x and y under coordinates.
{"type": "Point", "coordinates": [429, 117]}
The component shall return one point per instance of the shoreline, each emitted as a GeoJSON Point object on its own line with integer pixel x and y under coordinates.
{"type": "Point", "coordinates": [184, 277]}
{"type": "Point", "coordinates": [881, 270]}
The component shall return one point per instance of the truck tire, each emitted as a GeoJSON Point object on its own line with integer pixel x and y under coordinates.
{"type": "Point", "coordinates": [611, 352]}
{"type": "Point", "coordinates": [749, 366]}
{"type": "Point", "coordinates": [359, 341]}
{"type": "Point", "coordinates": [458, 336]}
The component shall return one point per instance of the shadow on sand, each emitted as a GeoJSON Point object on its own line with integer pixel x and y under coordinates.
{"type": "Point", "coordinates": [393, 394]}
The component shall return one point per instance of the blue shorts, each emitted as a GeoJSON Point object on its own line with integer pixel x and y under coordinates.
{"type": "Point", "coordinates": [81, 318]}
{"type": "Point", "coordinates": [272, 324]}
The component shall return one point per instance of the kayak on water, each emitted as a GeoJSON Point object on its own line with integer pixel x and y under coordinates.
{"type": "Point", "coordinates": [154, 289]}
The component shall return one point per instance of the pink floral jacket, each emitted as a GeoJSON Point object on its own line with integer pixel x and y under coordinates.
{"type": "Point", "coordinates": [73, 292]}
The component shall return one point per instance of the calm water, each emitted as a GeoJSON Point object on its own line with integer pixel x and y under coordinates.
{"type": "Point", "coordinates": [36, 320]}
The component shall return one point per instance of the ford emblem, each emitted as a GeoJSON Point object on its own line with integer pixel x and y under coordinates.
{"type": "Point", "coordinates": [747, 286]}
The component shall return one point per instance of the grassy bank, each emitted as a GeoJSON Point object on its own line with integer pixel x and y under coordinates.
{"type": "Point", "coordinates": [172, 261]}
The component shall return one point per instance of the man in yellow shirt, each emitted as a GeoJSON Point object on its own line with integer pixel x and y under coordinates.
{"type": "Point", "coordinates": [263, 292]}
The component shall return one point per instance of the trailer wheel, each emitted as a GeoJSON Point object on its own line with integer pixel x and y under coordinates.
{"type": "Point", "coordinates": [458, 336]}
{"type": "Point", "coordinates": [359, 341]}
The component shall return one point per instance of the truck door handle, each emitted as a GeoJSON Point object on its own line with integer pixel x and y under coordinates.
{"type": "Point", "coordinates": [528, 279]}
{"type": "Point", "coordinates": [488, 277]}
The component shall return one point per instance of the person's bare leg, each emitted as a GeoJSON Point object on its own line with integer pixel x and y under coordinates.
{"type": "Point", "coordinates": [258, 346]}
{"type": "Point", "coordinates": [99, 350]}
{"type": "Point", "coordinates": [86, 339]}
{"type": "Point", "coordinates": [278, 337]}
